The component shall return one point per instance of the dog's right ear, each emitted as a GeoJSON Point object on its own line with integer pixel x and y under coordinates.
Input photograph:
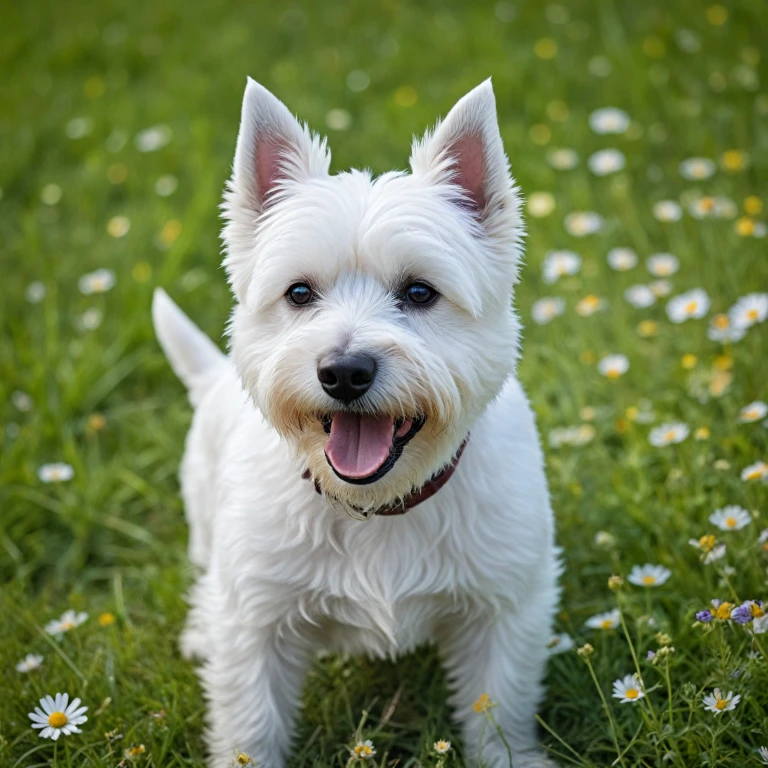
{"type": "Point", "coordinates": [272, 148]}
{"type": "Point", "coordinates": [274, 151]}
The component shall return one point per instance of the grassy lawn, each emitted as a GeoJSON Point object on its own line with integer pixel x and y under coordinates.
{"type": "Point", "coordinates": [116, 137]}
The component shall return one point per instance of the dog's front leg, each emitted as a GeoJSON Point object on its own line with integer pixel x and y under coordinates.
{"type": "Point", "coordinates": [503, 657]}
{"type": "Point", "coordinates": [253, 680]}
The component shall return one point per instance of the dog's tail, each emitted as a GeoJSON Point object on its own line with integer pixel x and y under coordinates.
{"type": "Point", "coordinates": [192, 355]}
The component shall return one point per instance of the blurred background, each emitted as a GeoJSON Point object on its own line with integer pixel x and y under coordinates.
{"type": "Point", "coordinates": [117, 133]}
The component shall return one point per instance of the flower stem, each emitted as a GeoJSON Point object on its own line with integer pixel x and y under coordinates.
{"type": "Point", "coordinates": [607, 712]}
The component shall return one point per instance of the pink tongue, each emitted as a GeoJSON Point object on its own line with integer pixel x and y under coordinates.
{"type": "Point", "coordinates": [359, 445]}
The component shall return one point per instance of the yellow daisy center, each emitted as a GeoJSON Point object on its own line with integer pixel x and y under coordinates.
{"type": "Point", "coordinates": [721, 704]}
{"type": "Point", "coordinates": [363, 750]}
{"type": "Point", "coordinates": [441, 746]}
{"type": "Point", "coordinates": [756, 611]}
{"type": "Point", "coordinates": [67, 625]}
{"type": "Point", "coordinates": [649, 580]}
{"type": "Point", "coordinates": [721, 322]}
{"type": "Point", "coordinates": [57, 720]}
{"type": "Point", "coordinates": [752, 314]}
{"type": "Point", "coordinates": [730, 522]}
{"type": "Point", "coordinates": [606, 624]}
{"type": "Point", "coordinates": [724, 611]}
{"type": "Point", "coordinates": [631, 693]}
{"type": "Point", "coordinates": [707, 542]}
{"type": "Point", "coordinates": [613, 373]}
{"type": "Point", "coordinates": [691, 306]}
{"type": "Point", "coordinates": [670, 435]}
{"type": "Point", "coordinates": [707, 203]}
{"type": "Point", "coordinates": [754, 474]}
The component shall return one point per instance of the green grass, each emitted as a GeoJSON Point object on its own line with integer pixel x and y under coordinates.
{"type": "Point", "coordinates": [113, 538]}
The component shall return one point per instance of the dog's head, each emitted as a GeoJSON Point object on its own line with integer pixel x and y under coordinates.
{"type": "Point", "coordinates": [374, 318]}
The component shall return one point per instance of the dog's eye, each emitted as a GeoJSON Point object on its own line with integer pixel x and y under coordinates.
{"type": "Point", "coordinates": [420, 294]}
{"type": "Point", "coordinates": [299, 294]}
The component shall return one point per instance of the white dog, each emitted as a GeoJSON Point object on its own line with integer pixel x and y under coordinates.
{"type": "Point", "coordinates": [363, 473]}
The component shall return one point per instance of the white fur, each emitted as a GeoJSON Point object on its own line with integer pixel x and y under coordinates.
{"type": "Point", "coordinates": [284, 571]}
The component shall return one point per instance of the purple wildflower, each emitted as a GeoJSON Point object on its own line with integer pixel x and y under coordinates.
{"type": "Point", "coordinates": [704, 616]}
{"type": "Point", "coordinates": [651, 655]}
{"type": "Point", "coordinates": [742, 614]}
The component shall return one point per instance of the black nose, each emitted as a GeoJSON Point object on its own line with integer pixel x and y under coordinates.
{"type": "Point", "coordinates": [346, 377]}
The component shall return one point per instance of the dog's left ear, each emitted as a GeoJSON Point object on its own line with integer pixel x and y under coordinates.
{"type": "Point", "coordinates": [466, 149]}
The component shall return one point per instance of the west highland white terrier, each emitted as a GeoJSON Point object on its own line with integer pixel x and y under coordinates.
{"type": "Point", "coordinates": [363, 472]}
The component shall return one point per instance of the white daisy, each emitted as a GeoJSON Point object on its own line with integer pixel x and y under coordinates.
{"type": "Point", "coordinates": [662, 264]}
{"type": "Point", "coordinates": [442, 746]}
{"type": "Point", "coordinates": [609, 620]}
{"type": "Point", "coordinates": [57, 716]}
{"type": "Point", "coordinates": [589, 305]}
{"type": "Point", "coordinates": [606, 161]}
{"type": "Point", "coordinates": [154, 138]}
{"type": "Point", "coordinates": [730, 518]}
{"type": "Point", "coordinates": [609, 120]}
{"type": "Point", "coordinates": [613, 366]}
{"type": "Point", "coordinates": [717, 703]}
{"type": "Point", "coordinates": [30, 662]}
{"type": "Point", "coordinates": [753, 412]}
{"type": "Point", "coordinates": [697, 168]}
{"type": "Point", "coordinates": [166, 185]}
{"type": "Point", "coordinates": [559, 263]}
{"type": "Point", "coordinates": [716, 553]}
{"type": "Point", "coordinates": [68, 620]}
{"type": "Point", "coordinates": [749, 309]}
{"type": "Point", "coordinates": [363, 750]}
{"type": "Point", "coordinates": [97, 282]}
{"type": "Point", "coordinates": [760, 624]}
{"type": "Point", "coordinates": [35, 292]}
{"type": "Point", "coordinates": [546, 309]}
{"type": "Point", "coordinates": [51, 194]}
{"type": "Point", "coordinates": [58, 472]}
{"type": "Point", "coordinates": [723, 331]}
{"type": "Point", "coordinates": [580, 435]}
{"type": "Point", "coordinates": [21, 401]}
{"type": "Point", "coordinates": [560, 643]}
{"type": "Point", "coordinates": [118, 226]}
{"type": "Point", "coordinates": [540, 204]}
{"type": "Point", "coordinates": [756, 471]}
{"type": "Point", "coordinates": [764, 754]}
{"type": "Point", "coordinates": [622, 259]}
{"type": "Point", "coordinates": [667, 210]}
{"type": "Point", "coordinates": [605, 540]}
{"type": "Point", "coordinates": [640, 296]}
{"type": "Point", "coordinates": [90, 320]}
{"type": "Point", "coordinates": [716, 207]}
{"type": "Point", "coordinates": [582, 223]}
{"type": "Point", "coordinates": [691, 304]}
{"type": "Point", "coordinates": [78, 127]}
{"type": "Point", "coordinates": [563, 159]}
{"type": "Point", "coordinates": [661, 288]}
{"type": "Point", "coordinates": [669, 433]}
{"type": "Point", "coordinates": [648, 575]}
{"type": "Point", "coordinates": [628, 689]}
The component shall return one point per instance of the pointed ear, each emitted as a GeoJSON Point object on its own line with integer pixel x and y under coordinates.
{"type": "Point", "coordinates": [466, 149]}
{"type": "Point", "coordinates": [272, 148]}
{"type": "Point", "coordinates": [273, 151]}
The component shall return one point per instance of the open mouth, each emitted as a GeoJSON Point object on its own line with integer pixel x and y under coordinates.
{"type": "Point", "coordinates": [362, 448]}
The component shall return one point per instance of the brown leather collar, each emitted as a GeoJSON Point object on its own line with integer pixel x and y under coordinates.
{"type": "Point", "coordinates": [413, 499]}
